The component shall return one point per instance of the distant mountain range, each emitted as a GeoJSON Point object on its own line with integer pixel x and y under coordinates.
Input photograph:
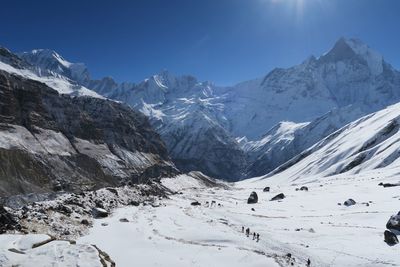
{"type": "Point", "coordinates": [244, 130]}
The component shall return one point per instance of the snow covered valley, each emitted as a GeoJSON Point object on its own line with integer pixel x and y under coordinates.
{"type": "Point", "coordinates": [83, 176]}
{"type": "Point", "coordinates": [185, 228]}
{"type": "Point", "coordinates": [304, 225]}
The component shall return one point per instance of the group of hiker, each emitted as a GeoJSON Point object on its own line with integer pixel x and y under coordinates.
{"type": "Point", "coordinates": [212, 204]}
{"type": "Point", "coordinates": [256, 236]}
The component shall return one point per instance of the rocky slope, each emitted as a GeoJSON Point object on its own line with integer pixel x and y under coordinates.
{"type": "Point", "coordinates": [54, 142]}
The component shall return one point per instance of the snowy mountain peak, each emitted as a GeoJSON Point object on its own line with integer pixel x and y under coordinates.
{"type": "Point", "coordinates": [48, 54]}
{"type": "Point", "coordinates": [345, 49]}
{"type": "Point", "coordinates": [50, 60]}
{"type": "Point", "coordinates": [167, 81]}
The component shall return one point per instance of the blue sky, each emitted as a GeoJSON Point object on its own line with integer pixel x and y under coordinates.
{"type": "Point", "coordinates": [224, 41]}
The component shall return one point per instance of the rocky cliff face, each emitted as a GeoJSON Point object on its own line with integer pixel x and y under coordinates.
{"type": "Point", "coordinates": [54, 142]}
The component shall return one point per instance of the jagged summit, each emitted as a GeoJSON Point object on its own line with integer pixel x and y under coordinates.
{"type": "Point", "coordinates": [48, 60]}
{"type": "Point", "coordinates": [354, 49]}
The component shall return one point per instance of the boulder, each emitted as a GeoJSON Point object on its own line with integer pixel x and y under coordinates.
{"type": "Point", "coordinates": [99, 213]}
{"type": "Point", "coordinates": [253, 198]}
{"type": "Point", "coordinates": [134, 203]}
{"type": "Point", "coordinates": [394, 223]}
{"type": "Point", "coordinates": [57, 186]}
{"type": "Point", "coordinates": [85, 222]}
{"type": "Point", "coordinates": [349, 202]}
{"type": "Point", "coordinates": [266, 189]}
{"type": "Point", "coordinates": [195, 203]}
{"type": "Point", "coordinates": [390, 238]}
{"type": "Point", "coordinates": [278, 197]}
{"type": "Point", "coordinates": [304, 188]}
{"type": "Point", "coordinates": [390, 185]}
{"type": "Point", "coordinates": [123, 220]}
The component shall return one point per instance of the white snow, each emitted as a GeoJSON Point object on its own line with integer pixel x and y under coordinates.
{"type": "Point", "coordinates": [58, 83]}
{"type": "Point", "coordinates": [306, 224]}
{"type": "Point", "coordinates": [55, 253]}
{"type": "Point", "coordinates": [374, 59]}
{"type": "Point", "coordinates": [41, 142]}
{"type": "Point", "coordinates": [370, 143]}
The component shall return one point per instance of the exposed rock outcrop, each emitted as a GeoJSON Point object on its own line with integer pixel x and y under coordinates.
{"type": "Point", "coordinates": [51, 142]}
{"type": "Point", "coordinates": [253, 198]}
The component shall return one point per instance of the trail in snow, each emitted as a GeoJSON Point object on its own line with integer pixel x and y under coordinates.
{"type": "Point", "coordinates": [305, 224]}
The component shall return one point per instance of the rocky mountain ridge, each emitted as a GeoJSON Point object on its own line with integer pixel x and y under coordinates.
{"type": "Point", "coordinates": [51, 142]}
{"type": "Point", "coordinates": [201, 123]}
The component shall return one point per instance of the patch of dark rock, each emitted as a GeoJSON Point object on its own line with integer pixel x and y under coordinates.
{"type": "Point", "coordinates": [62, 209]}
{"type": "Point", "coordinates": [390, 238]}
{"type": "Point", "coordinates": [357, 161]}
{"type": "Point", "coordinates": [112, 190]}
{"type": "Point", "coordinates": [278, 197]}
{"type": "Point", "coordinates": [123, 220]}
{"type": "Point", "coordinates": [85, 222]}
{"type": "Point", "coordinates": [252, 209]}
{"type": "Point", "coordinates": [349, 202]}
{"type": "Point", "coordinates": [389, 184]}
{"type": "Point", "coordinates": [36, 245]}
{"type": "Point", "coordinates": [195, 203]}
{"type": "Point", "coordinates": [66, 232]}
{"type": "Point", "coordinates": [7, 221]}
{"type": "Point", "coordinates": [253, 198]}
{"type": "Point", "coordinates": [134, 203]}
{"type": "Point", "coordinates": [394, 222]}
{"type": "Point", "coordinates": [304, 188]}
{"type": "Point", "coordinates": [16, 251]}
{"type": "Point", "coordinates": [99, 213]}
{"type": "Point", "coordinates": [99, 204]}
{"type": "Point", "coordinates": [57, 186]}
{"type": "Point", "coordinates": [266, 189]}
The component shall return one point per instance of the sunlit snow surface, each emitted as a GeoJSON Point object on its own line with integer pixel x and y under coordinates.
{"type": "Point", "coordinates": [19, 250]}
{"type": "Point", "coordinates": [306, 224]}
{"type": "Point", "coordinates": [60, 84]}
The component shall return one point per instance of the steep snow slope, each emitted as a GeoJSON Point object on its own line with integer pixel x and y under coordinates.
{"type": "Point", "coordinates": [279, 146]}
{"type": "Point", "coordinates": [370, 143]}
{"type": "Point", "coordinates": [12, 64]}
{"type": "Point", "coordinates": [49, 62]}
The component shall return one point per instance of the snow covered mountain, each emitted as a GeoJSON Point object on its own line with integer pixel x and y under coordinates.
{"type": "Point", "coordinates": [367, 144]}
{"type": "Point", "coordinates": [287, 140]}
{"type": "Point", "coordinates": [51, 142]}
{"type": "Point", "coordinates": [11, 63]}
{"type": "Point", "coordinates": [202, 123]}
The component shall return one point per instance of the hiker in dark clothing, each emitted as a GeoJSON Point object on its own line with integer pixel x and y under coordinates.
{"type": "Point", "coordinates": [258, 237]}
{"type": "Point", "coordinates": [247, 232]}
{"type": "Point", "coordinates": [242, 229]}
{"type": "Point", "coordinates": [254, 235]}
{"type": "Point", "coordinates": [308, 262]}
